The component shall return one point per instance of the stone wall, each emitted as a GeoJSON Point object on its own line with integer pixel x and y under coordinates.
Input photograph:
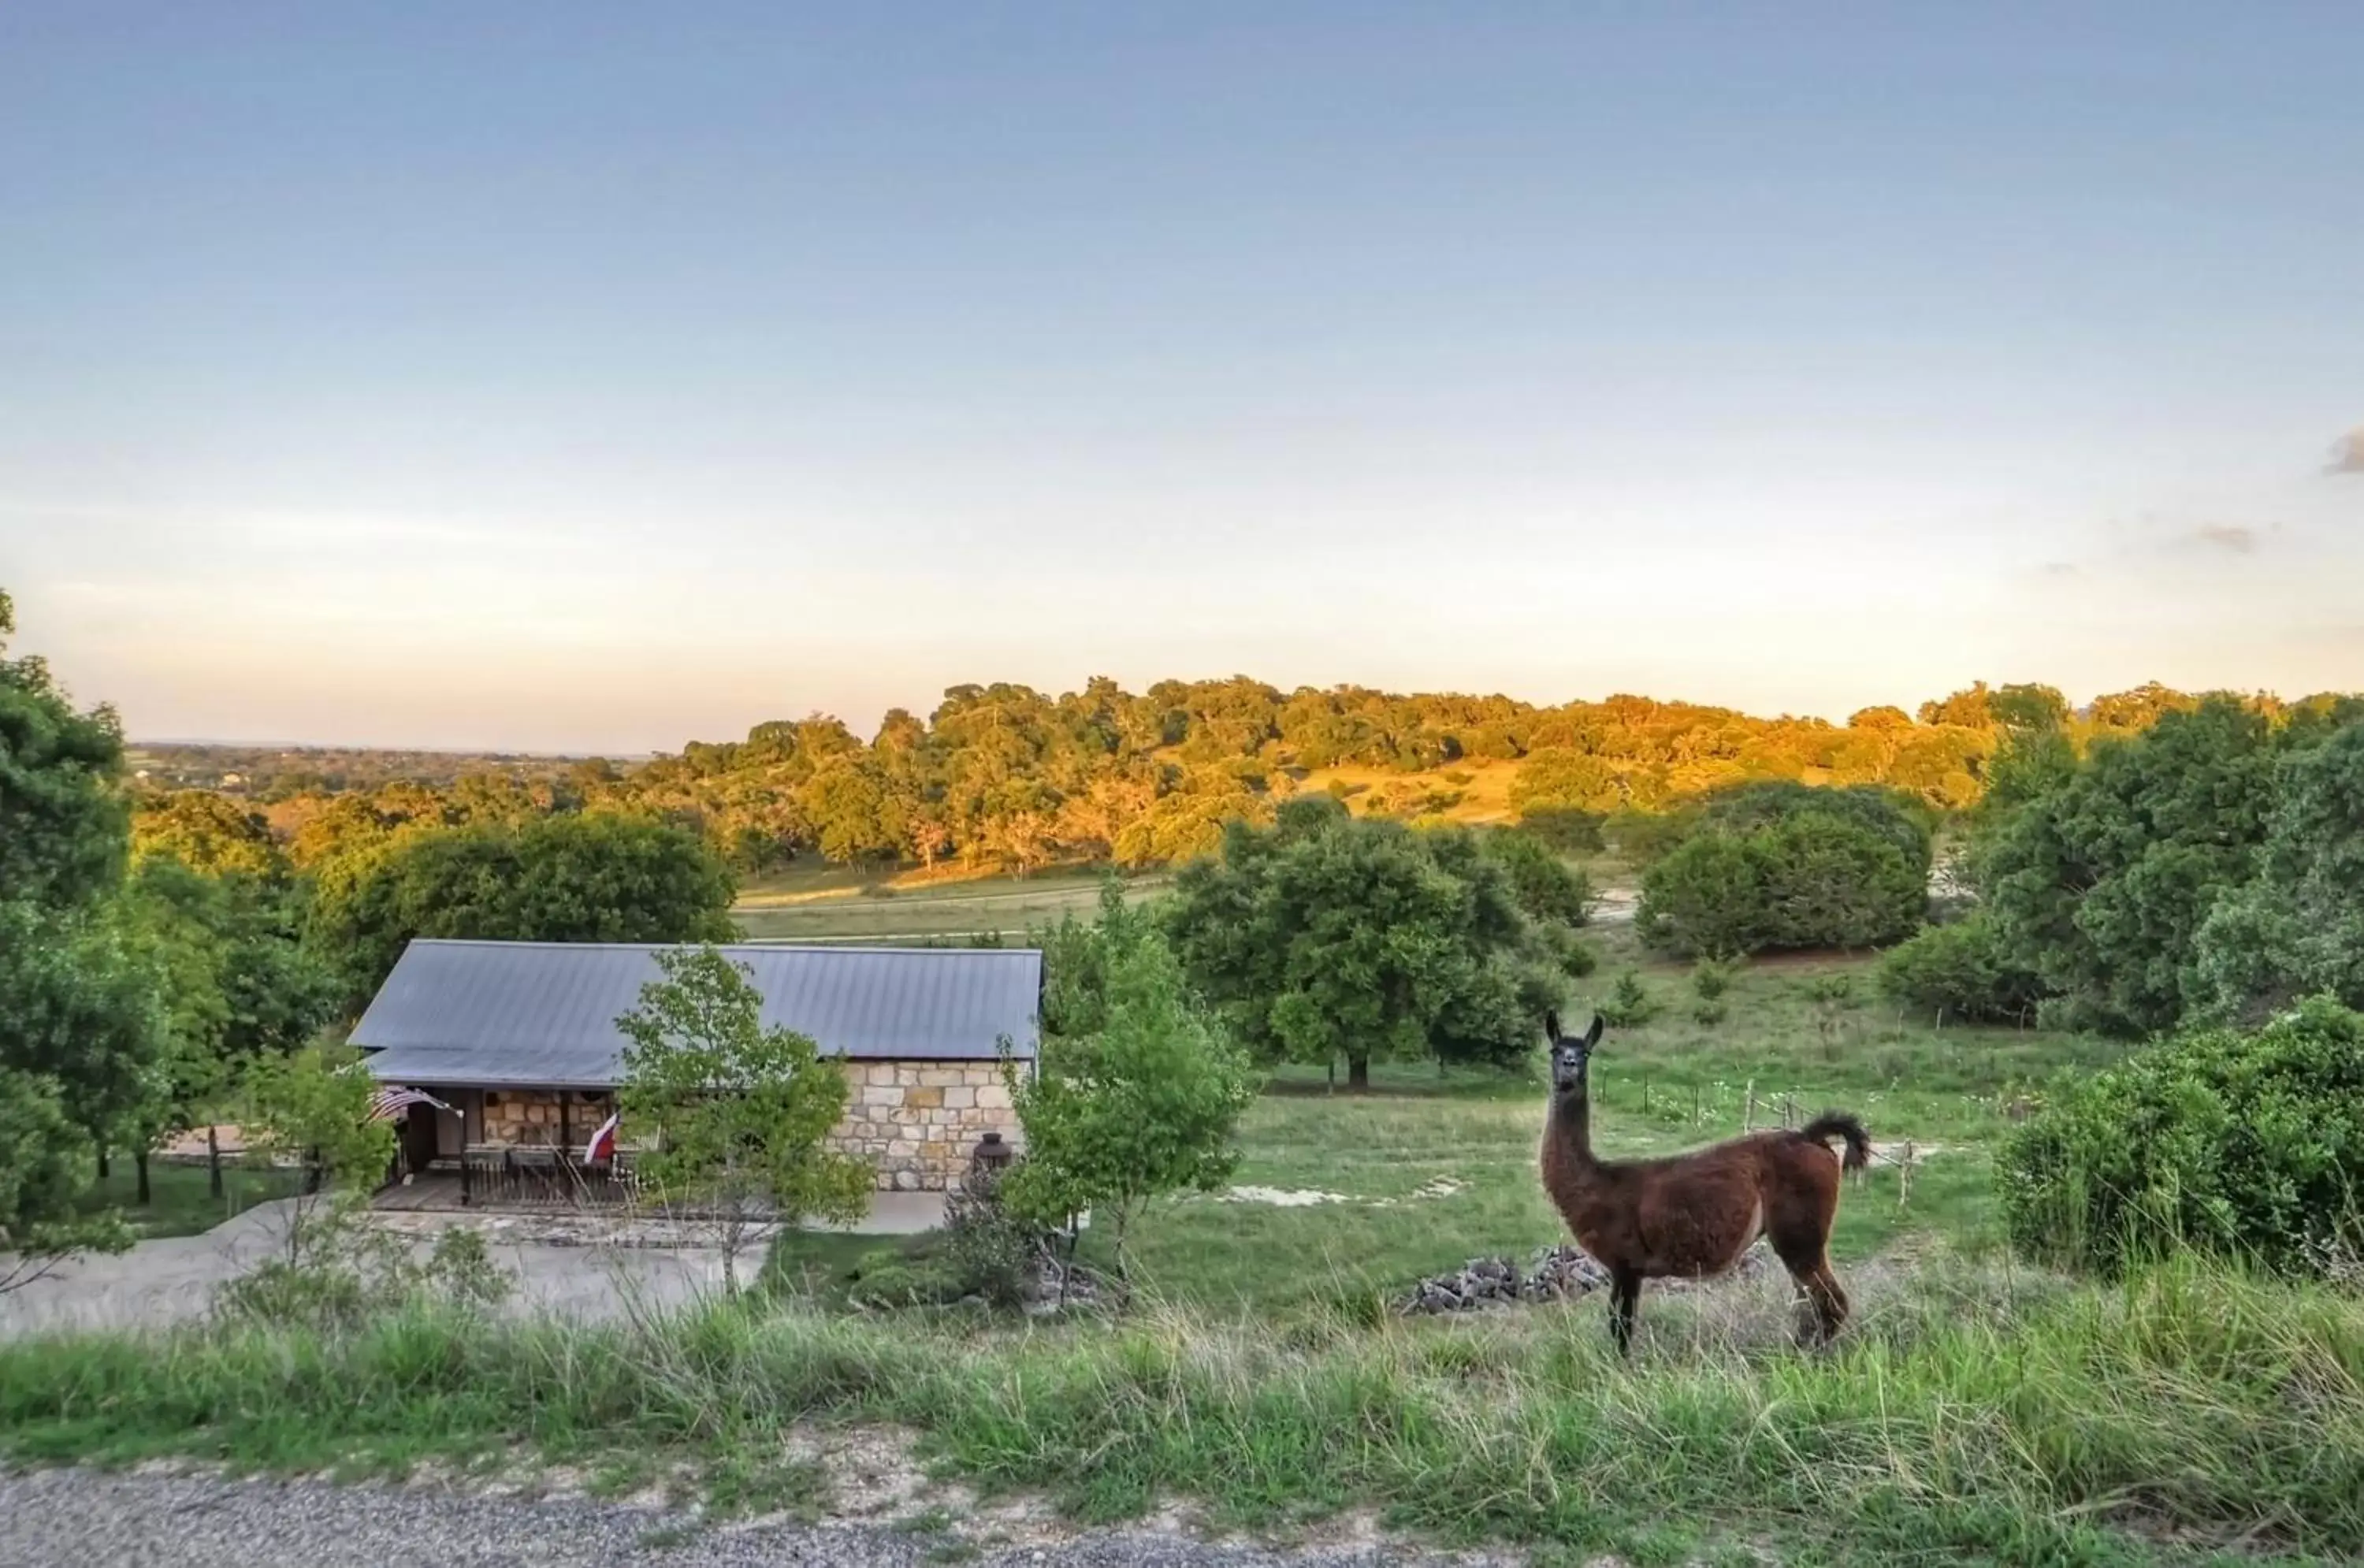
{"type": "Point", "coordinates": [919, 1121]}
{"type": "Point", "coordinates": [531, 1115]}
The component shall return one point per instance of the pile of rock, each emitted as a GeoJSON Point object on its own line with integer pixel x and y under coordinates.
{"type": "Point", "coordinates": [1555, 1273]}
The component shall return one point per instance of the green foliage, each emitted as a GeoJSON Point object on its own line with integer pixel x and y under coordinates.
{"type": "Point", "coordinates": [1630, 1004]}
{"type": "Point", "coordinates": [2247, 1145]}
{"type": "Point", "coordinates": [1546, 887]}
{"type": "Point", "coordinates": [1711, 977]}
{"type": "Point", "coordinates": [2100, 883]}
{"type": "Point", "coordinates": [1644, 836]}
{"type": "Point", "coordinates": [81, 1023]}
{"type": "Point", "coordinates": [1143, 1104]}
{"type": "Point", "coordinates": [62, 822]}
{"type": "Point", "coordinates": [349, 1273]}
{"type": "Point", "coordinates": [588, 878]}
{"type": "Point", "coordinates": [1961, 974]}
{"type": "Point", "coordinates": [990, 1248]}
{"type": "Point", "coordinates": [1707, 1014]}
{"type": "Point", "coordinates": [313, 1106]}
{"type": "Point", "coordinates": [2298, 929]}
{"type": "Point", "coordinates": [740, 1112]}
{"type": "Point", "coordinates": [1781, 866]}
{"type": "Point", "coordinates": [208, 833]}
{"type": "Point", "coordinates": [1560, 778]}
{"type": "Point", "coordinates": [1564, 829]}
{"type": "Point", "coordinates": [1327, 935]}
{"type": "Point", "coordinates": [44, 1162]}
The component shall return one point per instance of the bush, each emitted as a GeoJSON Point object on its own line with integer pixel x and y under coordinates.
{"type": "Point", "coordinates": [1564, 829]}
{"type": "Point", "coordinates": [1708, 1014]}
{"type": "Point", "coordinates": [1644, 836]}
{"type": "Point", "coordinates": [2247, 1145]}
{"type": "Point", "coordinates": [1711, 977]}
{"type": "Point", "coordinates": [1963, 974]}
{"type": "Point", "coordinates": [1814, 879]}
{"type": "Point", "coordinates": [1548, 888]}
{"type": "Point", "coordinates": [990, 1251]}
{"type": "Point", "coordinates": [1629, 1003]}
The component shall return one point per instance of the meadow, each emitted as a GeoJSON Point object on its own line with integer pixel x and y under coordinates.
{"type": "Point", "coordinates": [1975, 1410]}
{"type": "Point", "coordinates": [816, 900]}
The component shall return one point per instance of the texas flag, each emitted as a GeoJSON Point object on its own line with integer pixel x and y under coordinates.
{"type": "Point", "coordinates": [603, 1142]}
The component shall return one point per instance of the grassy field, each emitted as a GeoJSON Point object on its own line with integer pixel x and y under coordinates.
{"type": "Point", "coordinates": [1974, 1411]}
{"type": "Point", "coordinates": [839, 904]}
{"type": "Point", "coordinates": [1428, 1169]}
{"type": "Point", "coordinates": [181, 1201]}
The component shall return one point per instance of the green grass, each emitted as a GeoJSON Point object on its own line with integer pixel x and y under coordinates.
{"type": "Point", "coordinates": [826, 903]}
{"type": "Point", "coordinates": [1968, 1417]}
{"type": "Point", "coordinates": [181, 1203]}
{"type": "Point", "coordinates": [1669, 1085]}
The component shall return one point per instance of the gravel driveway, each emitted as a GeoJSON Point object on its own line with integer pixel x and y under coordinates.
{"type": "Point", "coordinates": [96, 1520]}
{"type": "Point", "coordinates": [159, 1283]}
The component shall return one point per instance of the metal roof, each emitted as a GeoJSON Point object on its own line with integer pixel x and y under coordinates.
{"type": "Point", "coordinates": [544, 1014]}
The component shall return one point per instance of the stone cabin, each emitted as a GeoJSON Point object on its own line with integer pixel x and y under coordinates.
{"type": "Point", "coordinates": [520, 1039]}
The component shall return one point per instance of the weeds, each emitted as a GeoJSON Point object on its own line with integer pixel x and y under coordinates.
{"type": "Point", "coordinates": [1968, 1417]}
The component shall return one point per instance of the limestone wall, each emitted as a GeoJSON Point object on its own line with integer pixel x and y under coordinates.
{"type": "Point", "coordinates": [531, 1115]}
{"type": "Point", "coordinates": [919, 1121]}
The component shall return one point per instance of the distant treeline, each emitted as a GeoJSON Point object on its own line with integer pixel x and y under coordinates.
{"type": "Point", "coordinates": [1006, 777]}
{"type": "Point", "coordinates": [269, 774]}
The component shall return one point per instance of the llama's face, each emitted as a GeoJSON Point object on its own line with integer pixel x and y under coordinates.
{"type": "Point", "coordinates": [1571, 1054]}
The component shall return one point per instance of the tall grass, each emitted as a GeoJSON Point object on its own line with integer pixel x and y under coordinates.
{"type": "Point", "coordinates": [1969, 1419]}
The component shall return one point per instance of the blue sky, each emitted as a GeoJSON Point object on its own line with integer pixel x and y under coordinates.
{"type": "Point", "coordinates": [578, 376]}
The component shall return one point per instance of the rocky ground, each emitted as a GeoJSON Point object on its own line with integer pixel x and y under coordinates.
{"type": "Point", "coordinates": [200, 1521]}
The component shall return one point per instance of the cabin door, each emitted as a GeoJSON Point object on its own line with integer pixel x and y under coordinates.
{"type": "Point", "coordinates": [418, 1140]}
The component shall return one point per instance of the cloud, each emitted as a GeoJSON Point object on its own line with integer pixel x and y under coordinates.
{"type": "Point", "coordinates": [2347, 453]}
{"type": "Point", "coordinates": [2227, 536]}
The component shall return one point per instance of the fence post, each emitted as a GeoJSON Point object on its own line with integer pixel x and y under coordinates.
{"type": "Point", "coordinates": [1904, 1175]}
{"type": "Point", "coordinates": [1748, 1110]}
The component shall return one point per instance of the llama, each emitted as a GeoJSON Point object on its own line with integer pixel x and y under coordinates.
{"type": "Point", "coordinates": [1693, 1215]}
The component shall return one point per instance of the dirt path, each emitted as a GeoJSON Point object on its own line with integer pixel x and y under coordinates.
{"type": "Point", "coordinates": [164, 1521]}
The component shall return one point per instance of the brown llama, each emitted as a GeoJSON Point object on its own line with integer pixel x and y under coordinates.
{"type": "Point", "coordinates": [1690, 1216]}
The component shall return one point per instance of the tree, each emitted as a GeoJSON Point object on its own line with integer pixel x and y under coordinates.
{"type": "Point", "coordinates": [79, 1020]}
{"type": "Point", "coordinates": [207, 832]}
{"type": "Point", "coordinates": [741, 1112]}
{"type": "Point", "coordinates": [1781, 865]}
{"type": "Point", "coordinates": [1137, 1095]}
{"type": "Point", "coordinates": [589, 878]}
{"type": "Point", "coordinates": [2100, 882]}
{"type": "Point", "coordinates": [1326, 935]}
{"type": "Point", "coordinates": [1547, 886]}
{"type": "Point", "coordinates": [2298, 929]}
{"type": "Point", "coordinates": [1564, 779]}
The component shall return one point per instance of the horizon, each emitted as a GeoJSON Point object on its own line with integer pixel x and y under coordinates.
{"type": "Point", "coordinates": [578, 384]}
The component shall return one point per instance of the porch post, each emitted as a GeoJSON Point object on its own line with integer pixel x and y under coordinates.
{"type": "Point", "coordinates": [565, 1126]}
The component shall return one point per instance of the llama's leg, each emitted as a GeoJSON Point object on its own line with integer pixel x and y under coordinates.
{"type": "Point", "coordinates": [1624, 1292]}
{"type": "Point", "coordinates": [1823, 1306]}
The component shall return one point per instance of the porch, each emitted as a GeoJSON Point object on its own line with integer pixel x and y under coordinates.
{"type": "Point", "coordinates": [431, 1192]}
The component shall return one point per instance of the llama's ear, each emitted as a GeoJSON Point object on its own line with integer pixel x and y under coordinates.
{"type": "Point", "coordinates": [1592, 1035]}
{"type": "Point", "coordinates": [1551, 1026]}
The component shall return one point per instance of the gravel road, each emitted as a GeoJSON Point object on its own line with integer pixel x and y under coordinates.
{"type": "Point", "coordinates": [89, 1519]}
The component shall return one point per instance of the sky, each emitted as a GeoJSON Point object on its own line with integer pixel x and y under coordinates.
{"type": "Point", "coordinates": [584, 376]}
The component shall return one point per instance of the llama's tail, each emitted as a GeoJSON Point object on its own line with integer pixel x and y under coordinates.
{"type": "Point", "coordinates": [1841, 1124]}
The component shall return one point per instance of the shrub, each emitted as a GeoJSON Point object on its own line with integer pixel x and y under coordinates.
{"type": "Point", "coordinates": [1814, 879]}
{"type": "Point", "coordinates": [1706, 897]}
{"type": "Point", "coordinates": [1707, 1014]}
{"type": "Point", "coordinates": [1564, 829]}
{"type": "Point", "coordinates": [1629, 1003]}
{"type": "Point", "coordinates": [1711, 977]}
{"type": "Point", "coordinates": [1546, 887]}
{"type": "Point", "coordinates": [1644, 836]}
{"type": "Point", "coordinates": [990, 1251]}
{"type": "Point", "coordinates": [1963, 972]}
{"type": "Point", "coordinates": [2245, 1144]}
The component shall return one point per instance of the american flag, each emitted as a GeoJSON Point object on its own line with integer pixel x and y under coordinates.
{"type": "Point", "coordinates": [391, 1103]}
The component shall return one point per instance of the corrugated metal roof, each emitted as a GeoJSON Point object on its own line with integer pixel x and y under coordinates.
{"type": "Point", "coordinates": [544, 1013]}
